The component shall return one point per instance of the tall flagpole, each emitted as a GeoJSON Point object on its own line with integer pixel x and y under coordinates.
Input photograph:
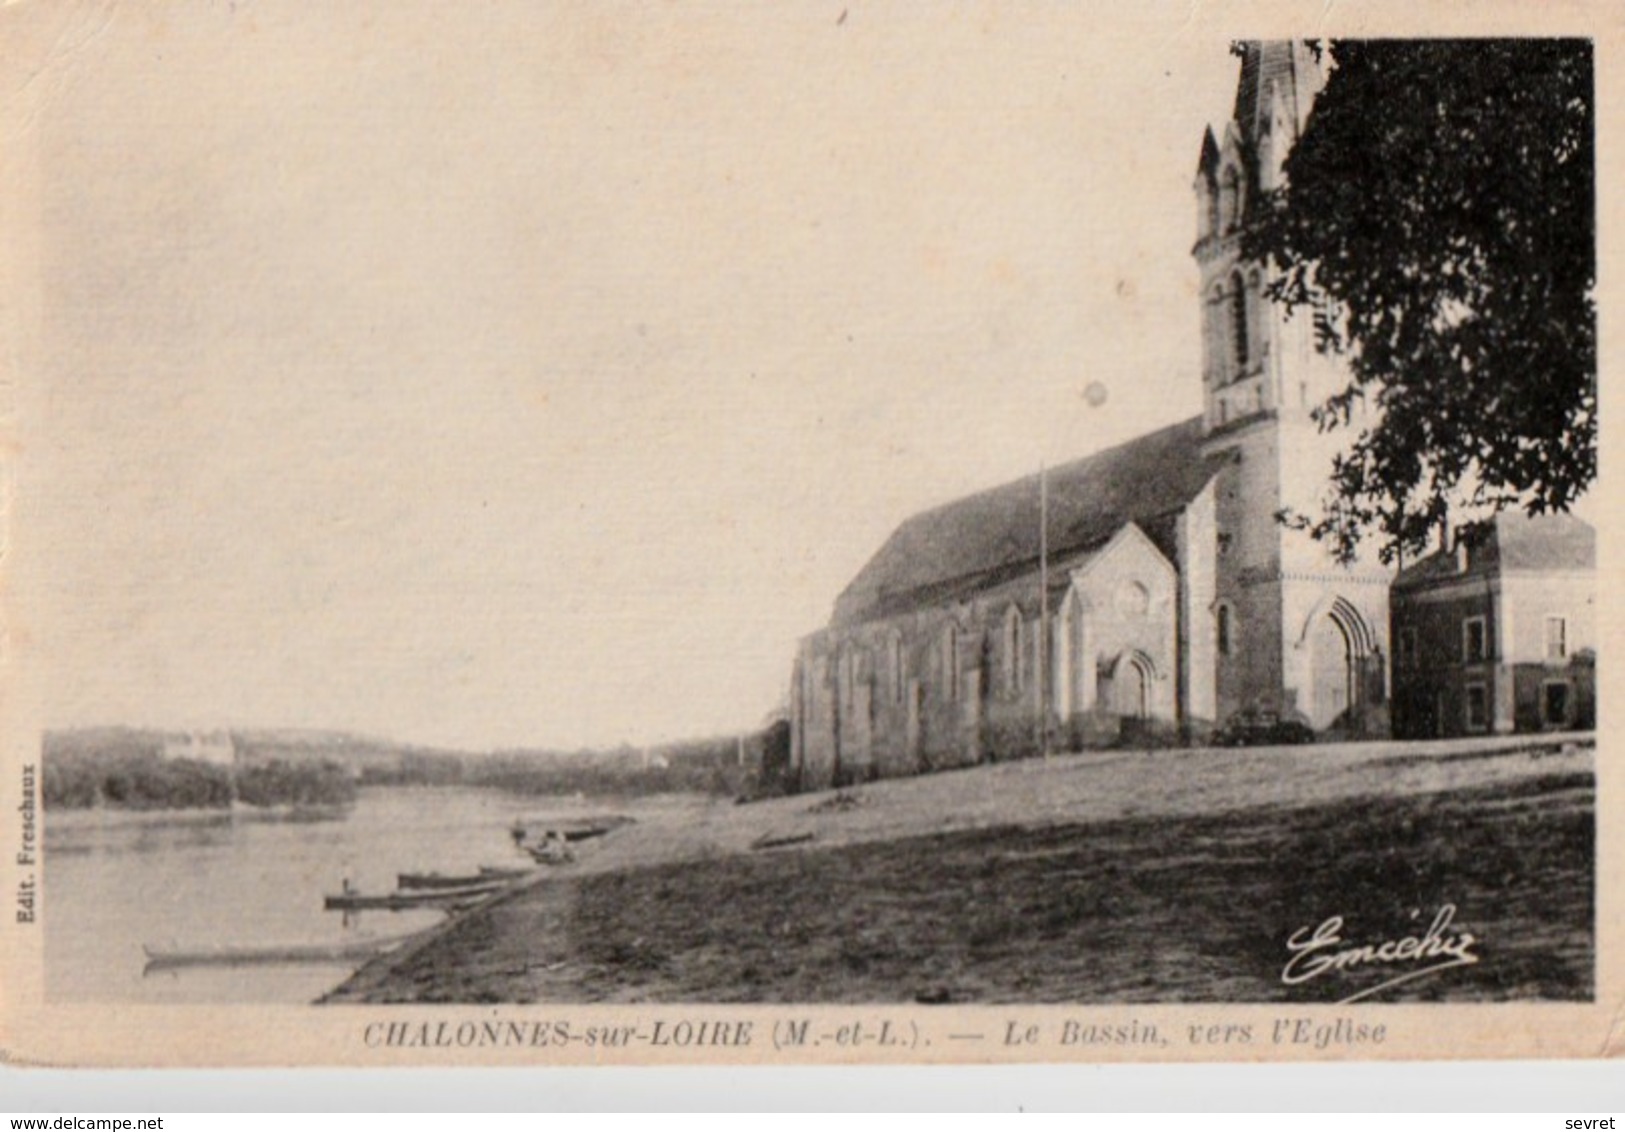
{"type": "Point", "coordinates": [1043, 608]}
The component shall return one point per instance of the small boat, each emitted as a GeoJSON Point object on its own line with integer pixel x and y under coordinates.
{"type": "Point", "coordinates": [437, 880]}
{"type": "Point", "coordinates": [233, 955]}
{"type": "Point", "coordinates": [506, 872]}
{"type": "Point", "coordinates": [486, 875]}
{"type": "Point", "coordinates": [349, 901]}
{"type": "Point", "coordinates": [571, 829]}
{"type": "Point", "coordinates": [780, 840]}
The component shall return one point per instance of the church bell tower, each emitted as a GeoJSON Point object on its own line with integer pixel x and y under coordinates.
{"type": "Point", "coordinates": [1296, 632]}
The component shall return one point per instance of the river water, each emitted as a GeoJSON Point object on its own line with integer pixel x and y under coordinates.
{"type": "Point", "coordinates": [117, 880]}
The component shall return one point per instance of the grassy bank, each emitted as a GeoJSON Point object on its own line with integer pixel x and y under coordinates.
{"type": "Point", "coordinates": [1184, 905]}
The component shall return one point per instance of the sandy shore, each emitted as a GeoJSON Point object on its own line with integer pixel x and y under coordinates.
{"type": "Point", "coordinates": [1033, 881]}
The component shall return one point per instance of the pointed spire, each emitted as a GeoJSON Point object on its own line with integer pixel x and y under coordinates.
{"type": "Point", "coordinates": [1283, 72]}
{"type": "Point", "coordinates": [1207, 164]}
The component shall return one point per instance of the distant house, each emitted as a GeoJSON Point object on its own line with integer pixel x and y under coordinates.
{"type": "Point", "coordinates": [215, 747]}
{"type": "Point", "coordinates": [1498, 633]}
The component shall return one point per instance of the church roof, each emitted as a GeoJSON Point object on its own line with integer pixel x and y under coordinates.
{"type": "Point", "coordinates": [1512, 540]}
{"type": "Point", "coordinates": [962, 546]}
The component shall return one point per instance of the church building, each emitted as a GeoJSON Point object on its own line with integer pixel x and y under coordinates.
{"type": "Point", "coordinates": [1146, 592]}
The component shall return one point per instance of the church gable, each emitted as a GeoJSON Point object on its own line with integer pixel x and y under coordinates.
{"type": "Point", "coordinates": [1130, 551]}
{"type": "Point", "coordinates": [1124, 604]}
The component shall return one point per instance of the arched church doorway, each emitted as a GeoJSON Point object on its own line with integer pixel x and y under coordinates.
{"type": "Point", "coordinates": [1339, 644]}
{"type": "Point", "coordinates": [1130, 694]}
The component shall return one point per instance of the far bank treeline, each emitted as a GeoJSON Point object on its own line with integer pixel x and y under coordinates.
{"type": "Point", "coordinates": [129, 768]}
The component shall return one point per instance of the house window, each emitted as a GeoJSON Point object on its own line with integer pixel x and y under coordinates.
{"type": "Point", "coordinates": [1474, 643]}
{"type": "Point", "coordinates": [950, 663]}
{"type": "Point", "coordinates": [1225, 541]}
{"type": "Point", "coordinates": [1407, 646]}
{"type": "Point", "coordinates": [1223, 628]}
{"type": "Point", "coordinates": [1554, 703]}
{"type": "Point", "coordinates": [1557, 638]}
{"type": "Point", "coordinates": [1478, 707]}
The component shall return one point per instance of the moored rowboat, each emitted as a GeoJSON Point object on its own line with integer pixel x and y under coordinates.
{"type": "Point", "coordinates": [571, 829]}
{"type": "Point", "coordinates": [233, 955]}
{"type": "Point", "coordinates": [505, 872]}
{"type": "Point", "coordinates": [425, 898]}
{"type": "Point", "coordinates": [486, 875]}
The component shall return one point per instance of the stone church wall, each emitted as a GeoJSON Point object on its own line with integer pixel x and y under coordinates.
{"type": "Point", "coordinates": [957, 684]}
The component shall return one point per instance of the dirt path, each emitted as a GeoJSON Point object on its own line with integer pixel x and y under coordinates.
{"type": "Point", "coordinates": [1101, 877]}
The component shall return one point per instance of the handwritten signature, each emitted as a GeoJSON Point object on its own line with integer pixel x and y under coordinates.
{"type": "Point", "coordinates": [1324, 951]}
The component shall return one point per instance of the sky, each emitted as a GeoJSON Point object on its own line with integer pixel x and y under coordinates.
{"type": "Point", "coordinates": [537, 374]}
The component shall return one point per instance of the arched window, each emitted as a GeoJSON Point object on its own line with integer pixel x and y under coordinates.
{"type": "Point", "coordinates": [1259, 336]}
{"type": "Point", "coordinates": [894, 667]}
{"type": "Point", "coordinates": [1207, 208]}
{"type": "Point", "coordinates": [1213, 335]}
{"type": "Point", "coordinates": [1230, 200]}
{"type": "Point", "coordinates": [950, 662]}
{"type": "Point", "coordinates": [1240, 338]}
{"type": "Point", "coordinates": [1012, 652]}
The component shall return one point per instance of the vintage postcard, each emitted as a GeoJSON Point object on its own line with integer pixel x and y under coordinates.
{"type": "Point", "coordinates": [543, 534]}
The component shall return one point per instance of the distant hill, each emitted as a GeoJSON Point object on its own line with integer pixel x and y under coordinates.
{"type": "Point", "coordinates": [357, 752]}
{"type": "Point", "coordinates": [728, 765]}
{"type": "Point", "coordinates": [253, 744]}
{"type": "Point", "coordinates": [149, 769]}
{"type": "Point", "coordinates": [86, 741]}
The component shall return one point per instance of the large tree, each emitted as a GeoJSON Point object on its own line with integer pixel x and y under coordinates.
{"type": "Point", "coordinates": [1438, 214]}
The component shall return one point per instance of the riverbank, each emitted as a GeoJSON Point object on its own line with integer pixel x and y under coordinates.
{"type": "Point", "coordinates": [1102, 877]}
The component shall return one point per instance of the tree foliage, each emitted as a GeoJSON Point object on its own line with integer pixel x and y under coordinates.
{"type": "Point", "coordinates": [1439, 215]}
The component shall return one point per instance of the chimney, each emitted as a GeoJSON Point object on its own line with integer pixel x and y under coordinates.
{"type": "Point", "coordinates": [1461, 550]}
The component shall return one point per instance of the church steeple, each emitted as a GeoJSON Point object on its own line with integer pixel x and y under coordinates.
{"type": "Point", "coordinates": [1276, 87]}
{"type": "Point", "coordinates": [1278, 77]}
{"type": "Point", "coordinates": [1294, 630]}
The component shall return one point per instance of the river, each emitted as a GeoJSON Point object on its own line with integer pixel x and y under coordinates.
{"type": "Point", "coordinates": [115, 880]}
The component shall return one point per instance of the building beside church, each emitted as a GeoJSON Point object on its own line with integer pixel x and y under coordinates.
{"type": "Point", "coordinates": [1158, 594]}
{"type": "Point", "coordinates": [1498, 633]}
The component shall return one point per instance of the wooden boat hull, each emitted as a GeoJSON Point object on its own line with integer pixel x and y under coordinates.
{"type": "Point", "coordinates": [426, 898]}
{"type": "Point", "coordinates": [487, 874]}
{"type": "Point", "coordinates": [571, 829]}
{"type": "Point", "coordinates": [422, 881]}
{"type": "Point", "coordinates": [347, 951]}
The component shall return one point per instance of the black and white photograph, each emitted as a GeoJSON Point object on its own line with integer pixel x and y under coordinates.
{"type": "Point", "coordinates": [543, 533]}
